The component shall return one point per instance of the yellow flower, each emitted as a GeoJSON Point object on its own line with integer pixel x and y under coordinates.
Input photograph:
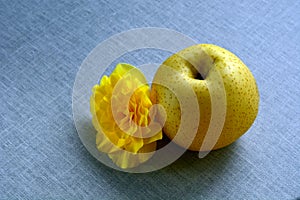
{"type": "Point", "coordinates": [127, 127]}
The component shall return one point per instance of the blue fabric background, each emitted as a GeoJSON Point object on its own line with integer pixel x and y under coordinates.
{"type": "Point", "coordinates": [42, 46]}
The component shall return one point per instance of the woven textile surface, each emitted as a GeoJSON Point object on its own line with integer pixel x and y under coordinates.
{"type": "Point", "coordinates": [43, 43]}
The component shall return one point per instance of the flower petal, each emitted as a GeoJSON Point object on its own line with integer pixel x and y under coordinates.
{"type": "Point", "coordinates": [124, 129]}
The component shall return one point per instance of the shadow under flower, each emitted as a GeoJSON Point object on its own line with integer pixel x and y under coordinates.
{"type": "Point", "coordinates": [187, 176]}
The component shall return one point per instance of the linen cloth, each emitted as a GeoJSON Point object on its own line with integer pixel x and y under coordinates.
{"type": "Point", "coordinates": [43, 44]}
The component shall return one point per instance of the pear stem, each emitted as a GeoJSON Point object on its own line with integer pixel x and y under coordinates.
{"type": "Point", "coordinates": [201, 61]}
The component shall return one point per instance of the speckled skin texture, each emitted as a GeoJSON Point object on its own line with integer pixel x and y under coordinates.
{"type": "Point", "coordinates": [43, 43]}
{"type": "Point", "coordinates": [241, 94]}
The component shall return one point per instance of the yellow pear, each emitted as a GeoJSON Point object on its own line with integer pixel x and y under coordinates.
{"type": "Point", "coordinates": [210, 71]}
